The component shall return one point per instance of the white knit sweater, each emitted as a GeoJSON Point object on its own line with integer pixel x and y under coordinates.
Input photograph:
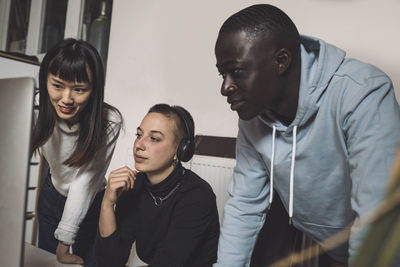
{"type": "Point", "coordinates": [79, 185]}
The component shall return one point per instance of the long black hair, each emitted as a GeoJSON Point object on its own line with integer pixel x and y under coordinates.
{"type": "Point", "coordinates": [74, 60]}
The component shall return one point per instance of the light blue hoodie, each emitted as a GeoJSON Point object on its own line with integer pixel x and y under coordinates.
{"type": "Point", "coordinates": [330, 165]}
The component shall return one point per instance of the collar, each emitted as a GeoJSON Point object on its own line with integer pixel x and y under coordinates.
{"type": "Point", "coordinates": [163, 188]}
{"type": "Point", "coordinates": [63, 126]}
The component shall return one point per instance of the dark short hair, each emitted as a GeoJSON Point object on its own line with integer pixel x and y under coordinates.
{"type": "Point", "coordinates": [171, 112]}
{"type": "Point", "coordinates": [264, 20]}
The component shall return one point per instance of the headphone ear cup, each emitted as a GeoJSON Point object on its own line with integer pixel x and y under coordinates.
{"type": "Point", "coordinates": [185, 150]}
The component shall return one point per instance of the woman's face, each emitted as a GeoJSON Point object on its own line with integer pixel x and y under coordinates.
{"type": "Point", "coordinates": [155, 146]}
{"type": "Point", "coordinates": [68, 98]}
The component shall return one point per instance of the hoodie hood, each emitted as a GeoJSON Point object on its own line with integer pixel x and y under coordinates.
{"type": "Point", "coordinates": [316, 75]}
{"type": "Point", "coordinates": [314, 79]}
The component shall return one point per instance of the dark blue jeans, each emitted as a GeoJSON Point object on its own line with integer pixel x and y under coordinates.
{"type": "Point", "coordinates": [50, 210]}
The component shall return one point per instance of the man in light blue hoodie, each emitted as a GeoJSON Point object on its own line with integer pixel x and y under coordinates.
{"type": "Point", "coordinates": [318, 128]}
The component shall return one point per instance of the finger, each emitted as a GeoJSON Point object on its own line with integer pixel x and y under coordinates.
{"type": "Point", "coordinates": [113, 190]}
{"type": "Point", "coordinates": [118, 180]}
{"type": "Point", "coordinates": [122, 185]}
{"type": "Point", "coordinates": [132, 173]}
{"type": "Point", "coordinates": [132, 182]}
{"type": "Point", "coordinates": [121, 170]}
{"type": "Point", "coordinates": [122, 174]}
{"type": "Point", "coordinates": [68, 258]}
{"type": "Point", "coordinates": [125, 176]}
{"type": "Point", "coordinates": [132, 178]}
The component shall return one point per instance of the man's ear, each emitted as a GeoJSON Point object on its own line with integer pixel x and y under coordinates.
{"type": "Point", "coordinates": [283, 58]}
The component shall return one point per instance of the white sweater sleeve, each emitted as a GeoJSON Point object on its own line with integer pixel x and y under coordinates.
{"type": "Point", "coordinates": [83, 188]}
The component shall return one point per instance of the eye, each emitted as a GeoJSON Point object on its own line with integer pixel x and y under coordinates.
{"type": "Point", "coordinates": [56, 86]}
{"type": "Point", "coordinates": [154, 139]}
{"type": "Point", "coordinates": [222, 74]}
{"type": "Point", "coordinates": [236, 72]}
{"type": "Point", "coordinates": [233, 73]}
{"type": "Point", "coordinates": [138, 135]}
{"type": "Point", "coordinates": [80, 90]}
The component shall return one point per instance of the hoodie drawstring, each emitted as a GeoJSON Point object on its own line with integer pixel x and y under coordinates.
{"type": "Point", "coordinates": [271, 177]}
{"type": "Point", "coordinates": [271, 184]}
{"type": "Point", "coordinates": [292, 174]}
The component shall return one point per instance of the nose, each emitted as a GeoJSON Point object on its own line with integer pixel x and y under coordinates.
{"type": "Point", "coordinates": [67, 97]}
{"type": "Point", "coordinates": [139, 144]}
{"type": "Point", "coordinates": [228, 86]}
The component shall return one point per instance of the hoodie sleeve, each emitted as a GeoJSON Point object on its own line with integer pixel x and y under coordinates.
{"type": "Point", "coordinates": [244, 212]}
{"type": "Point", "coordinates": [84, 187]}
{"type": "Point", "coordinates": [371, 124]}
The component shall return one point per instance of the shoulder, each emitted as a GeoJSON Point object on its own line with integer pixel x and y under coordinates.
{"type": "Point", "coordinates": [361, 77]}
{"type": "Point", "coordinates": [356, 82]}
{"type": "Point", "coordinates": [358, 70]}
{"type": "Point", "coordinates": [196, 189]}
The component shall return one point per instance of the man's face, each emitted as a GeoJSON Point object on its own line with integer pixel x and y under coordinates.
{"type": "Point", "coordinates": [250, 74]}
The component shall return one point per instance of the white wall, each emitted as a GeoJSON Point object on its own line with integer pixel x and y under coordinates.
{"type": "Point", "coordinates": [10, 68]}
{"type": "Point", "coordinates": [163, 51]}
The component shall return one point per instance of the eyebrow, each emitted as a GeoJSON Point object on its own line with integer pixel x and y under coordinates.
{"type": "Point", "coordinates": [56, 80]}
{"type": "Point", "coordinates": [228, 63]}
{"type": "Point", "coordinates": [152, 131]}
{"type": "Point", "coordinates": [76, 84]}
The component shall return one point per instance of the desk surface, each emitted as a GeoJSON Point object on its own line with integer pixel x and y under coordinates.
{"type": "Point", "coordinates": [36, 257]}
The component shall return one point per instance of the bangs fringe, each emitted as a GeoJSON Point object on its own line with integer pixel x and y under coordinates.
{"type": "Point", "coordinates": [70, 66]}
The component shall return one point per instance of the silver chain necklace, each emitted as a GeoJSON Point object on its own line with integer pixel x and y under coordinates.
{"type": "Point", "coordinates": [159, 200]}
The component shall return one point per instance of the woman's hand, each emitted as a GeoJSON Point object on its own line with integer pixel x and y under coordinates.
{"type": "Point", "coordinates": [63, 255]}
{"type": "Point", "coordinates": [120, 180]}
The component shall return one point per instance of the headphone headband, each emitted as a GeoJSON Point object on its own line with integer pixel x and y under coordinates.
{"type": "Point", "coordinates": [186, 121]}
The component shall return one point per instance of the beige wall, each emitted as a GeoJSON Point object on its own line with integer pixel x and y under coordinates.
{"type": "Point", "coordinates": [163, 51]}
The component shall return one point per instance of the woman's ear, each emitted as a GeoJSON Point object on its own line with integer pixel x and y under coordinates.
{"type": "Point", "coordinates": [283, 58]}
{"type": "Point", "coordinates": [175, 160]}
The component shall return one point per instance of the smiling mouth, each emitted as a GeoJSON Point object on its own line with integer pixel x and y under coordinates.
{"type": "Point", "coordinates": [66, 110]}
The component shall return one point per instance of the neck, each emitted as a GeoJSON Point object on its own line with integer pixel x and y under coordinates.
{"type": "Point", "coordinates": [286, 110]}
{"type": "Point", "coordinates": [71, 122]}
{"type": "Point", "coordinates": [159, 176]}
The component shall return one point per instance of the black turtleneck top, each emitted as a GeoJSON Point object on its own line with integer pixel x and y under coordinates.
{"type": "Point", "coordinates": [182, 231]}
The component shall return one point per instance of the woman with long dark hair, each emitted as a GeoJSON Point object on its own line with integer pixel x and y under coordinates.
{"type": "Point", "coordinates": [168, 210]}
{"type": "Point", "coordinates": [76, 132]}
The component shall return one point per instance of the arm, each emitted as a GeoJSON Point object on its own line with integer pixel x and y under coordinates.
{"type": "Point", "coordinates": [83, 188]}
{"type": "Point", "coordinates": [194, 219]}
{"type": "Point", "coordinates": [372, 129]}
{"type": "Point", "coordinates": [110, 249]}
{"type": "Point", "coordinates": [244, 212]}
{"type": "Point", "coordinates": [120, 180]}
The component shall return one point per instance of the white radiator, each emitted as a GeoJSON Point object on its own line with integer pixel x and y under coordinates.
{"type": "Point", "coordinates": [217, 172]}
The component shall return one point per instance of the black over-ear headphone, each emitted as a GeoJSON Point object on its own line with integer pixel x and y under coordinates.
{"type": "Point", "coordinates": [186, 145]}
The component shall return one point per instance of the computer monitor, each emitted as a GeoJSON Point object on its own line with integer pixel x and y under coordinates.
{"type": "Point", "coordinates": [16, 111]}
